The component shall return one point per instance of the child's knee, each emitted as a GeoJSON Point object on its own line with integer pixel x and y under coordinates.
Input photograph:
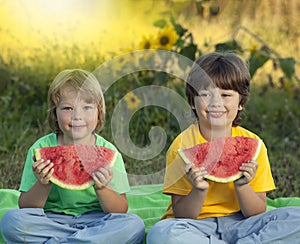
{"type": "Point", "coordinates": [292, 213]}
{"type": "Point", "coordinates": [10, 217]}
{"type": "Point", "coordinates": [135, 223]}
{"type": "Point", "coordinates": [10, 222]}
{"type": "Point", "coordinates": [295, 211]}
{"type": "Point", "coordinates": [14, 220]}
{"type": "Point", "coordinates": [159, 232]}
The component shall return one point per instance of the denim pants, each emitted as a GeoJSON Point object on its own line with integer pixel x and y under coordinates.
{"type": "Point", "coordinates": [278, 226]}
{"type": "Point", "coordinates": [33, 225]}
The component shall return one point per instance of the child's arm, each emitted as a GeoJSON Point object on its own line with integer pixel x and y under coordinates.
{"type": "Point", "coordinates": [111, 201]}
{"type": "Point", "coordinates": [190, 206]}
{"type": "Point", "coordinates": [37, 196]}
{"type": "Point", "coordinates": [251, 202]}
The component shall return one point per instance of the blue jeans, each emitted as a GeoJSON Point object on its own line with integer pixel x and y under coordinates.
{"type": "Point", "coordinates": [33, 225]}
{"type": "Point", "coordinates": [278, 226]}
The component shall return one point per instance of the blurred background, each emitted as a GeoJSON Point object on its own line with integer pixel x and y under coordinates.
{"type": "Point", "coordinates": [39, 38]}
{"type": "Point", "coordinates": [113, 25]}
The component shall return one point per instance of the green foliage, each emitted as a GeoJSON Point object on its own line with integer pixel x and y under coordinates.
{"type": "Point", "coordinates": [272, 111]}
{"type": "Point", "coordinates": [256, 60]}
{"type": "Point", "coordinates": [160, 23]}
{"type": "Point", "coordinates": [288, 66]}
{"type": "Point", "coordinates": [256, 57]}
{"type": "Point", "coordinates": [228, 46]}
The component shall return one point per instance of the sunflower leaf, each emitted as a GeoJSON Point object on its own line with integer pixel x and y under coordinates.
{"type": "Point", "coordinates": [161, 23]}
{"type": "Point", "coordinates": [288, 66]}
{"type": "Point", "coordinates": [189, 51]}
{"type": "Point", "coordinates": [180, 43]}
{"type": "Point", "coordinates": [179, 29]}
{"type": "Point", "coordinates": [227, 46]}
{"type": "Point", "coordinates": [257, 59]}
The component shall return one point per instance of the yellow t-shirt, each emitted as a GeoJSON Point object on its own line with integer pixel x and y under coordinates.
{"type": "Point", "coordinates": [221, 199]}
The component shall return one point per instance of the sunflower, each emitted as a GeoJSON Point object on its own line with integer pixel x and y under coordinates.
{"type": "Point", "coordinates": [147, 42]}
{"type": "Point", "coordinates": [166, 38]}
{"type": "Point", "coordinates": [132, 100]}
{"type": "Point", "coordinates": [252, 48]}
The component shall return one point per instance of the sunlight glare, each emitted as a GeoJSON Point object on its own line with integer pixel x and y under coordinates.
{"type": "Point", "coordinates": [109, 24]}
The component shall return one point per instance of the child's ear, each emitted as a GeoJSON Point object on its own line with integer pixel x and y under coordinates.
{"type": "Point", "coordinates": [240, 108]}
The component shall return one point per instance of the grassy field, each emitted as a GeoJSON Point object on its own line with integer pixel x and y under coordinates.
{"type": "Point", "coordinates": [272, 112]}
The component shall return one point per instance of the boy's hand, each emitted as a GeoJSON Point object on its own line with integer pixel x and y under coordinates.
{"type": "Point", "coordinates": [43, 170]}
{"type": "Point", "coordinates": [102, 177]}
{"type": "Point", "coordinates": [195, 176]}
{"type": "Point", "coordinates": [249, 171]}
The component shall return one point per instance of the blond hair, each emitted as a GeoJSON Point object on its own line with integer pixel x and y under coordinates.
{"type": "Point", "coordinates": [82, 81]}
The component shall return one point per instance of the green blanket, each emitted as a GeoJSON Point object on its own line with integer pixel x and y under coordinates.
{"type": "Point", "coordinates": [147, 201]}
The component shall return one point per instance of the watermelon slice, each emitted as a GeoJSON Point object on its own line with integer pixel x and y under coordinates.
{"type": "Point", "coordinates": [74, 164]}
{"type": "Point", "coordinates": [223, 157]}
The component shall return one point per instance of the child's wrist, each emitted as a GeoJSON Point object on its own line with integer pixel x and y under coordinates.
{"type": "Point", "coordinates": [96, 188]}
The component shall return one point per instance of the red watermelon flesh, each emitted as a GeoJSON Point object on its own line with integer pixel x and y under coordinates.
{"type": "Point", "coordinates": [74, 164]}
{"type": "Point", "coordinates": [223, 157]}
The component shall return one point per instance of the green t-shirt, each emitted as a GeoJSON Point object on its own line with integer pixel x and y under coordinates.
{"type": "Point", "coordinates": [70, 201]}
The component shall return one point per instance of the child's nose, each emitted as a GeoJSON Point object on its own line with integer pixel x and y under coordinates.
{"type": "Point", "coordinates": [216, 99]}
{"type": "Point", "coordinates": [76, 114]}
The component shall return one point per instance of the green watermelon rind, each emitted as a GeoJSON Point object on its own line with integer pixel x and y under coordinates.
{"type": "Point", "coordinates": [184, 158]}
{"type": "Point", "coordinates": [68, 186]}
{"type": "Point", "coordinates": [72, 187]}
{"type": "Point", "coordinates": [236, 176]}
{"type": "Point", "coordinates": [223, 180]}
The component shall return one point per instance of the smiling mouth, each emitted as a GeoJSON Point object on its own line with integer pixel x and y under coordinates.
{"type": "Point", "coordinates": [216, 114]}
{"type": "Point", "coordinates": [76, 126]}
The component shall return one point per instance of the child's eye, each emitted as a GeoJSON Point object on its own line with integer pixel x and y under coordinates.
{"type": "Point", "coordinates": [67, 108]}
{"type": "Point", "coordinates": [226, 95]}
{"type": "Point", "coordinates": [203, 94]}
{"type": "Point", "coordinates": [88, 107]}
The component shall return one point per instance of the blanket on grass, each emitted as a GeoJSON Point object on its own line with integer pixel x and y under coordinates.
{"type": "Point", "coordinates": [147, 201]}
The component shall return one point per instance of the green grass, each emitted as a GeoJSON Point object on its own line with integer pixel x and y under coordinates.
{"type": "Point", "coordinates": [272, 113]}
{"type": "Point", "coordinates": [275, 116]}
